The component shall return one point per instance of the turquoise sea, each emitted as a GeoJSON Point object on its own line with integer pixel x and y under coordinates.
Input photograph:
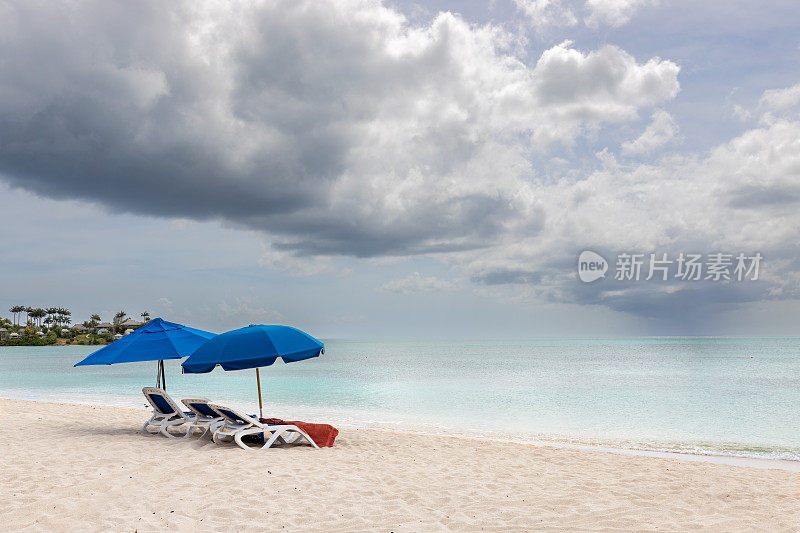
{"type": "Point", "coordinates": [728, 396]}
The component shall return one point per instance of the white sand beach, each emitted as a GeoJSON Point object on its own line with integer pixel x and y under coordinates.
{"type": "Point", "coordinates": [89, 468]}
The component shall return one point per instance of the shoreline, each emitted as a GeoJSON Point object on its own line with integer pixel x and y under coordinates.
{"type": "Point", "coordinates": [91, 467]}
{"type": "Point", "coordinates": [711, 458]}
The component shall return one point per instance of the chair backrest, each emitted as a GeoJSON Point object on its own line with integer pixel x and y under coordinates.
{"type": "Point", "coordinates": [161, 401]}
{"type": "Point", "coordinates": [232, 415]}
{"type": "Point", "coordinates": [199, 406]}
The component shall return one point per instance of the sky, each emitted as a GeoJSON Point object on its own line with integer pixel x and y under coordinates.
{"type": "Point", "coordinates": [404, 169]}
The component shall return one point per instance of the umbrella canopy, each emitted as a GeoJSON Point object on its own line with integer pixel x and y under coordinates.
{"type": "Point", "coordinates": [156, 341]}
{"type": "Point", "coordinates": [252, 347]}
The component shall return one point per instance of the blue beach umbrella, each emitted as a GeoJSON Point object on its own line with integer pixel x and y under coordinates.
{"type": "Point", "coordinates": [253, 347]}
{"type": "Point", "coordinates": [155, 341]}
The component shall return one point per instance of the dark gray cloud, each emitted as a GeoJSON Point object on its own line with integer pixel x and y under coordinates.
{"type": "Point", "coordinates": [683, 303]}
{"type": "Point", "coordinates": [336, 128]}
{"type": "Point", "coordinates": [754, 196]}
{"type": "Point", "coordinates": [688, 307]}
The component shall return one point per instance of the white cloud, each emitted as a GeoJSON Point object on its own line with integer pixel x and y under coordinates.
{"type": "Point", "coordinates": [780, 99]}
{"type": "Point", "coordinates": [547, 13]}
{"type": "Point", "coordinates": [661, 130]}
{"type": "Point", "coordinates": [744, 196]}
{"type": "Point", "coordinates": [604, 85]}
{"type": "Point", "coordinates": [742, 113]}
{"type": "Point", "coordinates": [614, 12]}
{"type": "Point", "coordinates": [551, 14]}
{"type": "Point", "coordinates": [416, 283]}
{"type": "Point", "coordinates": [773, 105]}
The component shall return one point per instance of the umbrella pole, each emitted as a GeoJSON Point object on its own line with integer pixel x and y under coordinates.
{"type": "Point", "coordinates": [163, 375]}
{"type": "Point", "coordinates": [260, 406]}
{"type": "Point", "coordinates": [158, 375]}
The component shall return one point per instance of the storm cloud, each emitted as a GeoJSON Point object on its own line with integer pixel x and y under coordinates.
{"type": "Point", "coordinates": [344, 129]}
{"type": "Point", "coordinates": [338, 128]}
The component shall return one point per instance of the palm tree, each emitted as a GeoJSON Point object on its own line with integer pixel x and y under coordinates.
{"type": "Point", "coordinates": [28, 310]}
{"type": "Point", "coordinates": [37, 314]}
{"type": "Point", "coordinates": [145, 316]}
{"type": "Point", "coordinates": [118, 319]}
{"type": "Point", "coordinates": [64, 315]}
{"type": "Point", "coordinates": [93, 321]}
{"type": "Point", "coordinates": [52, 312]}
{"type": "Point", "coordinates": [15, 311]}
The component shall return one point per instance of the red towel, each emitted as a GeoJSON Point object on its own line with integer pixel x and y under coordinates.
{"type": "Point", "coordinates": [323, 435]}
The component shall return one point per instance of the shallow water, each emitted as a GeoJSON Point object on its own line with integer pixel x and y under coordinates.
{"type": "Point", "coordinates": [734, 396]}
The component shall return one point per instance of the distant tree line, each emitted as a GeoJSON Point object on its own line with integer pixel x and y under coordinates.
{"type": "Point", "coordinates": [55, 321]}
{"type": "Point", "coordinates": [59, 316]}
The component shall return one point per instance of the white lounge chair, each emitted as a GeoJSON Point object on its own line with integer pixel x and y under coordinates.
{"type": "Point", "coordinates": [238, 425]}
{"type": "Point", "coordinates": [205, 417]}
{"type": "Point", "coordinates": [166, 412]}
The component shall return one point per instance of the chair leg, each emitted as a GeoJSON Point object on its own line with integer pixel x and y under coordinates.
{"type": "Point", "coordinates": [237, 438]}
{"type": "Point", "coordinates": [275, 436]}
{"type": "Point", "coordinates": [218, 439]}
{"type": "Point", "coordinates": [154, 421]}
{"type": "Point", "coordinates": [166, 424]}
{"type": "Point", "coordinates": [299, 434]}
{"type": "Point", "coordinates": [307, 437]}
{"type": "Point", "coordinates": [190, 430]}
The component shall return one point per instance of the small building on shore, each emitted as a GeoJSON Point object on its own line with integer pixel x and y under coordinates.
{"type": "Point", "coordinates": [3, 333]}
